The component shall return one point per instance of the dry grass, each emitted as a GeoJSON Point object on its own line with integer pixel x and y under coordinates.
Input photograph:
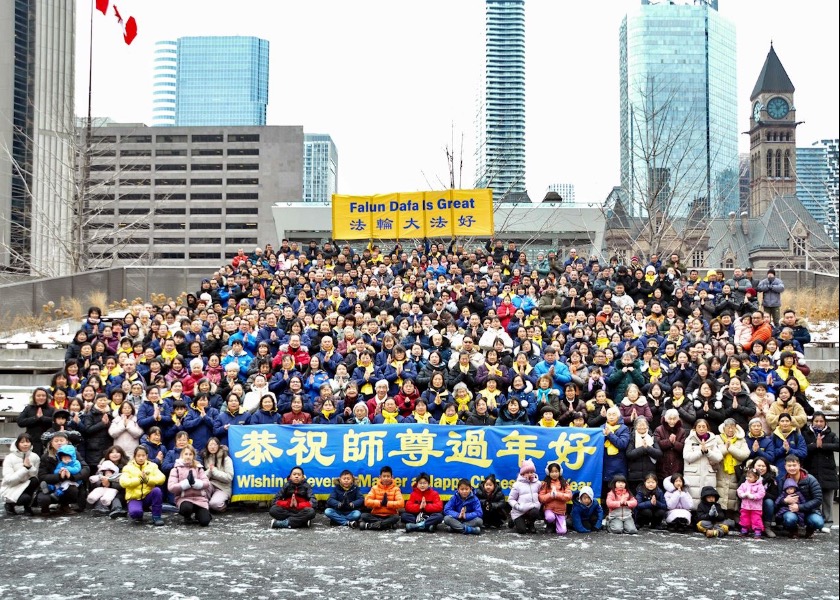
{"type": "Point", "coordinates": [74, 307]}
{"type": "Point", "coordinates": [97, 298]}
{"type": "Point", "coordinates": [814, 305]}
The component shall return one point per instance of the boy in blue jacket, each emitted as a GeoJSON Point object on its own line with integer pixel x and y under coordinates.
{"type": "Point", "coordinates": [345, 502]}
{"type": "Point", "coordinates": [462, 514]}
{"type": "Point", "coordinates": [587, 514]}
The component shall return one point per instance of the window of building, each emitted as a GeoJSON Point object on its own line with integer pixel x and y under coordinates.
{"type": "Point", "coordinates": [206, 226]}
{"type": "Point", "coordinates": [134, 211]}
{"type": "Point", "coordinates": [170, 182]}
{"type": "Point", "coordinates": [243, 181]}
{"type": "Point", "coordinates": [205, 196]}
{"type": "Point", "coordinates": [247, 210]}
{"type": "Point", "coordinates": [799, 246]}
{"type": "Point", "coordinates": [205, 211]}
{"type": "Point", "coordinates": [243, 196]}
{"type": "Point", "coordinates": [161, 152]}
{"type": "Point", "coordinates": [207, 152]}
{"type": "Point", "coordinates": [239, 225]}
{"type": "Point", "coordinates": [244, 167]}
{"type": "Point", "coordinates": [210, 167]}
{"type": "Point", "coordinates": [136, 139]}
{"type": "Point", "coordinates": [102, 198]}
{"type": "Point", "coordinates": [134, 196]}
{"type": "Point", "coordinates": [243, 152]}
{"type": "Point", "coordinates": [169, 255]}
{"type": "Point", "coordinates": [170, 226]}
{"type": "Point", "coordinates": [136, 167]}
{"type": "Point", "coordinates": [106, 167]}
{"type": "Point", "coordinates": [787, 163]}
{"type": "Point", "coordinates": [103, 139]}
{"type": "Point", "coordinates": [208, 138]}
{"type": "Point", "coordinates": [244, 137]}
{"type": "Point", "coordinates": [134, 182]}
{"type": "Point", "coordinates": [205, 240]}
{"type": "Point", "coordinates": [171, 167]}
{"type": "Point", "coordinates": [698, 258]}
{"type": "Point", "coordinates": [241, 240]}
{"type": "Point", "coordinates": [172, 196]}
{"type": "Point", "coordinates": [769, 163]}
{"type": "Point", "coordinates": [206, 181]}
{"type": "Point", "coordinates": [130, 255]}
{"type": "Point", "coordinates": [161, 210]}
{"type": "Point", "coordinates": [214, 255]}
{"type": "Point", "coordinates": [171, 139]}
{"type": "Point", "coordinates": [729, 264]}
{"type": "Point", "coordinates": [778, 163]}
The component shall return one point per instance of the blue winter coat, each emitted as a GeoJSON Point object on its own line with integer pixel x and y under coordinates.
{"type": "Point", "coordinates": [590, 514]}
{"type": "Point", "coordinates": [146, 416]}
{"type": "Point", "coordinates": [169, 459]}
{"type": "Point", "coordinates": [562, 375]}
{"type": "Point", "coordinates": [152, 449]}
{"type": "Point", "coordinates": [617, 464]}
{"type": "Point", "coordinates": [643, 496]}
{"type": "Point", "coordinates": [346, 500]}
{"type": "Point", "coordinates": [456, 503]}
{"type": "Point", "coordinates": [262, 417]}
{"type": "Point", "coordinates": [226, 418]}
{"type": "Point", "coordinates": [765, 448]}
{"type": "Point", "coordinates": [797, 444]}
{"type": "Point", "coordinates": [200, 428]}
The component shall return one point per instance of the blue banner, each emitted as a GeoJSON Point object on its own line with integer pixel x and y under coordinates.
{"type": "Point", "coordinates": [263, 455]}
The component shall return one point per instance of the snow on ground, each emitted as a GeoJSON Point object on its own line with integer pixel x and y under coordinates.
{"type": "Point", "coordinates": [825, 331]}
{"type": "Point", "coordinates": [55, 337]}
{"type": "Point", "coordinates": [824, 396]}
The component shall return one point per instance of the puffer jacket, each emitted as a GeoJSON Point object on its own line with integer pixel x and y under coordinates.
{"type": "Point", "coordinates": [433, 502]}
{"type": "Point", "coordinates": [640, 406]}
{"type": "Point", "coordinates": [743, 413]}
{"type": "Point", "coordinates": [590, 514]}
{"type": "Point", "coordinates": [644, 498]}
{"type": "Point", "coordinates": [126, 435]}
{"type": "Point", "coordinates": [672, 452]}
{"type": "Point", "coordinates": [97, 438]}
{"type": "Point", "coordinates": [727, 483]}
{"type": "Point", "coordinates": [524, 495]}
{"type": "Point", "coordinates": [820, 461]}
{"type": "Point", "coordinates": [130, 479]}
{"type": "Point", "coordinates": [345, 500]}
{"type": "Point", "coordinates": [555, 496]}
{"type": "Point", "coordinates": [373, 500]}
{"type": "Point", "coordinates": [679, 502]}
{"type": "Point", "coordinates": [751, 495]}
{"type": "Point", "coordinates": [471, 503]}
{"type": "Point", "coordinates": [302, 492]}
{"type": "Point", "coordinates": [614, 504]}
{"type": "Point", "coordinates": [221, 477]}
{"type": "Point", "coordinates": [641, 459]}
{"type": "Point", "coordinates": [796, 446]}
{"type": "Point", "coordinates": [616, 464]}
{"type": "Point", "coordinates": [15, 476]}
{"type": "Point", "coordinates": [178, 482]}
{"type": "Point", "coordinates": [808, 487]}
{"type": "Point", "coordinates": [493, 503]}
{"type": "Point", "coordinates": [701, 469]}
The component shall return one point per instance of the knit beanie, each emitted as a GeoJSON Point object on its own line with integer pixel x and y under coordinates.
{"type": "Point", "coordinates": [527, 467]}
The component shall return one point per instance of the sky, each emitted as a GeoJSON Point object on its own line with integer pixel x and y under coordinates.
{"type": "Point", "coordinates": [395, 83]}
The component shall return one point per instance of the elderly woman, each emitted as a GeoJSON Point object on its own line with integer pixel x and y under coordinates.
{"type": "Point", "coordinates": [643, 452]}
{"type": "Point", "coordinates": [702, 456]}
{"type": "Point", "coordinates": [734, 449]}
{"type": "Point", "coordinates": [616, 439]}
{"type": "Point", "coordinates": [670, 435]}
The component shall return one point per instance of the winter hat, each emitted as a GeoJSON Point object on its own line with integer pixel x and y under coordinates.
{"type": "Point", "coordinates": [61, 414]}
{"type": "Point", "coordinates": [107, 465]}
{"type": "Point", "coordinates": [554, 464]}
{"type": "Point", "coordinates": [790, 483]}
{"type": "Point", "coordinates": [527, 467]}
{"type": "Point", "coordinates": [751, 292]}
{"type": "Point", "coordinates": [586, 491]}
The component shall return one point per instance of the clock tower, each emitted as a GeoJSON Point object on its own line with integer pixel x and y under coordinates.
{"type": "Point", "coordinates": [772, 136]}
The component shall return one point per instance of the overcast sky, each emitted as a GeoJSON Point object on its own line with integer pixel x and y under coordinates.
{"type": "Point", "coordinates": [394, 82]}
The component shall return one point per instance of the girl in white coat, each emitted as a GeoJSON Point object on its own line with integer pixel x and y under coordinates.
{"type": "Point", "coordinates": [20, 475]}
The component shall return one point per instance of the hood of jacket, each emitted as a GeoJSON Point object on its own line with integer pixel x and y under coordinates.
{"type": "Point", "coordinates": [709, 491]}
{"type": "Point", "coordinates": [107, 465]}
{"type": "Point", "coordinates": [67, 449]}
{"type": "Point", "coordinates": [739, 432]}
{"type": "Point", "coordinates": [641, 401]}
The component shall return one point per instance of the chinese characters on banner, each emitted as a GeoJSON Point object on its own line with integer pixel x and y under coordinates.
{"type": "Point", "coordinates": [446, 214]}
{"type": "Point", "coordinates": [263, 455]}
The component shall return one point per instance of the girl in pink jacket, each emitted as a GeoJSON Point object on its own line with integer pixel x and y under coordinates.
{"type": "Point", "coordinates": [189, 483]}
{"type": "Point", "coordinates": [751, 493]}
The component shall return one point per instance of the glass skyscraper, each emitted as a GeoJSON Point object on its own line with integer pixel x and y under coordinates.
{"type": "Point", "coordinates": [500, 163]}
{"type": "Point", "coordinates": [678, 103]}
{"type": "Point", "coordinates": [320, 168]}
{"type": "Point", "coordinates": [817, 182]}
{"type": "Point", "coordinates": [217, 81]}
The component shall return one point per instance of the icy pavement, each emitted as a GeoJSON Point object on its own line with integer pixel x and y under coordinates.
{"type": "Point", "coordinates": [82, 556]}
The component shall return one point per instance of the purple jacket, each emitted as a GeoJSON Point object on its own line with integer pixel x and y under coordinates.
{"type": "Point", "coordinates": [524, 495]}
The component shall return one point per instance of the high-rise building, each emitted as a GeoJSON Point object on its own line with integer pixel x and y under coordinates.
{"type": "Point", "coordinates": [679, 126]}
{"type": "Point", "coordinates": [565, 190]}
{"type": "Point", "coordinates": [218, 80]}
{"type": "Point", "coordinates": [817, 181]}
{"type": "Point", "coordinates": [500, 162]}
{"type": "Point", "coordinates": [37, 135]}
{"type": "Point", "coordinates": [320, 168]}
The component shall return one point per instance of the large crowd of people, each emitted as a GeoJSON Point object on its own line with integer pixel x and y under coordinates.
{"type": "Point", "coordinates": [702, 393]}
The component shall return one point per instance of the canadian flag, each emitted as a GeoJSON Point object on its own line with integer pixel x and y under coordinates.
{"type": "Point", "coordinates": [128, 26]}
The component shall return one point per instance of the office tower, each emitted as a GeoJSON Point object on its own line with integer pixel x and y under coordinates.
{"type": "Point", "coordinates": [320, 168]}
{"type": "Point", "coordinates": [218, 81]}
{"type": "Point", "coordinates": [37, 134]}
{"type": "Point", "coordinates": [565, 190]}
{"type": "Point", "coordinates": [679, 130]}
{"type": "Point", "coordinates": [500, 162]}
{"type": "Point", "coordinates": [816, 182]}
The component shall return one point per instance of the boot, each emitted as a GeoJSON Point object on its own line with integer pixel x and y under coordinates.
{"type": "Point", "coordinates": [768, 530]}
{"type": "Point", "coordinates": [10, 508]}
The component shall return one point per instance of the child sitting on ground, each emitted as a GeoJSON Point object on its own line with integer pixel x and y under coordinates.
{"type": "Point", "coordinates": [101, 497]}
{"type": "Point", "coordinates": [651, 506]}
{"type": "Point", "coordinates": [555, 494]}
{"type": "Point", "coordinates": [620, 503]}
{"type": "Point", "coordinates": [424, 509]}
{"type": "Point", "coordinates": [344, 506]}
{"type": "Point", "coordinates": [385, 501]}
{"type": "Point", "coordinates": [679, 502]}
{"type": "Point", "coordinates": [751, 493]}
{"type": "Point", "coordinates": [494, 506]}
{"type": "Point", "coordinates": [711, 518]}
{"type": "Point", "coordinates": [292, 506]}
{"type": "Point", "coordinates": [587, 515]}
{"type": "Point", "coordinates": [463, 512]}
{"type": "Point", "coordinates": [67, 461]}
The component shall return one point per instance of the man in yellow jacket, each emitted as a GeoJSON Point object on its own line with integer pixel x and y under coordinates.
{"type": "Point", "coordinates": [140, 479]}
{"type": "Point", "coordinates": [385, 501]}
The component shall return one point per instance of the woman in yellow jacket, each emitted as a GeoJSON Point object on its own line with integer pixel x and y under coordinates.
{"type": "Point", "coordinates": [140, 479]}
{"type": "Point", "coordinates": [788, 368]}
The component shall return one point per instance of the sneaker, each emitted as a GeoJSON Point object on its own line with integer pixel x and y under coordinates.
{"type": "Point", "coordinates": [809, 532]}
{"type": "Point", "coordinates": [118, 512]}
{"type": "Point", "coordinates": [353, 524]}
{"type": "Point", "coordinates": [44, 487]}
{"type": "Point", "coordinates": [474, 530]}
{"type": "Point", "coordinates": [363, 525]}
{"type": "Point", "coordinates": [169, 508]}
{"type": "Point", "coordinates": [27, 510]}
{"type": "Point", "coordinates": [662, 527]}
{"type": "Point", "coordinates": [744, 531]}
{"type": "Point", "coordinates": [711, 533]}
{"type": "Point", "coordinates": [158, 521]}
{"type": "Point", "coordinates": [757, 535]}
{"type": "Point", "coordinates": [278, 524]}
{"type": "Point", "coordinates": [433, 528]}
{"type": "Point", "coordinates": [794, 534]}
{"type": "Point", "coordinates": [768, 531]}
{"type": "Point", "coordinates": [825, 529]}
{"type": "Point", "coordinates": [409, 527]}
{"type": "Point", "coordinates": [100, 510]}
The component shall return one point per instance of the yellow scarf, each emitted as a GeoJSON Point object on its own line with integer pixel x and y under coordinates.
{"type": "Point", "coordinates": [327, 413]}
{"type": "Point", "coordinates": [398, 363]}
{"type": "Point", "coordinates": [168, 356]}
{"type": "Point", "coordinates": [657, 373]}
{"type": "Point", "coordinates": [390, 417]}
{"type": "Point", "coordinates": [447, 420]}
{"type": "Point", "coordinates": [491, 397]}
{"type": "Point", "coordinates": [176, 419]}
{"type": "Point", "coordinates": [463, 404]}
{"type": "Point", "coordinates": [367, 387]}
{"type": "Point", "coordinates": [548, 422]}
{"type": "Point", "coordinates": [464, 368]}
{"type": "Point", "coordinates": [610, 447]}
{"type": "Point", "coordinates": [729, 461]}
{"type": "Point", "coordinates": [424, 418]}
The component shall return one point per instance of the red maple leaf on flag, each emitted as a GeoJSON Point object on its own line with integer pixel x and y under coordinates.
{"type": "Point", "coordinates": [102, 6]}
{"type": "Point", "coordinates": [129, 26]}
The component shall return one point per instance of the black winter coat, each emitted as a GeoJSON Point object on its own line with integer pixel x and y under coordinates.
{"type": "Point", "coordinates": [97, 438]}
{"type": "Point", "coordinates": [820, 461]}
{"type": "Point", "coordinates": [36, 426]}
{"type": "Point", "coordinates": [494, 505]}
{"type": "Point", "coordinates": [641, 459]}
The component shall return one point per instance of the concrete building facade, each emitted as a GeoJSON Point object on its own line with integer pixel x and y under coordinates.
{"type": "Point", "coordinates": [166, 195]}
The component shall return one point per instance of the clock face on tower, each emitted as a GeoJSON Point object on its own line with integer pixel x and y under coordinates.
{"type": "Point", "coordinates": [778, 108]}
{"type": "Point", "coordinates": [757, 111]}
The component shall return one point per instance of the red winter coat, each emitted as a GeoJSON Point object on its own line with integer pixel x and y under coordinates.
{"type": "Point", "coordinates": [433, 502]}
{"type": "Point", "coordinates": [405, 403]}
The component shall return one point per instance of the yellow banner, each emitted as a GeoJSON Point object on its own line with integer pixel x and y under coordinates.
{"type": "Point", "coordinates": [448, 213]}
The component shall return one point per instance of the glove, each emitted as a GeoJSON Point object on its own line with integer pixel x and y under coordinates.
{"type": "Point", "coordinates": [191, 478]}
{"type": "Point", "coordinates": [384, 501]}
{"type": "Point", "coordinates": [198, 485]}
{"type": "Point", "coordinates": [185, 485]}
